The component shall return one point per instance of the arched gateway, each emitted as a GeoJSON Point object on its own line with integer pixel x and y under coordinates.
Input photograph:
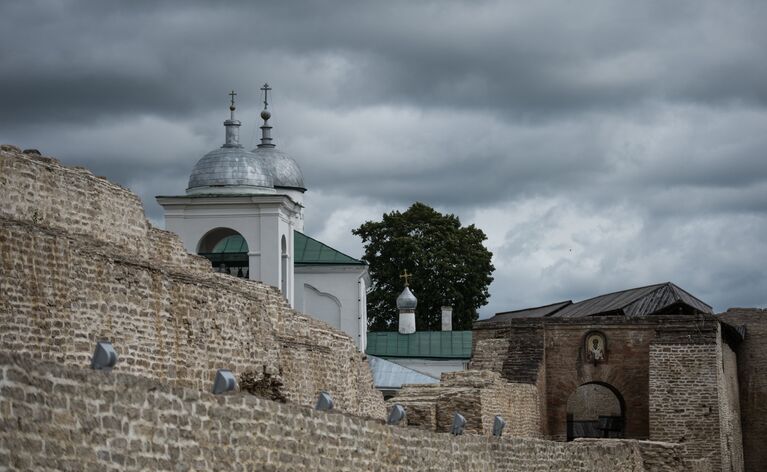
{"type": "Point", "coordinates": [595, 410]}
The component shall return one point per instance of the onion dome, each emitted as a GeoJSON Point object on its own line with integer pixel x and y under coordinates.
{"type": "Point", "coordinates": [230, 168]}
{"type": "Point", "coordinates": [406, 300]}
{"type": "Point", "coordinates": [283, 169]}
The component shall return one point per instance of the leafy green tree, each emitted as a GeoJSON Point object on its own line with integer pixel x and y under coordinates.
{"type": "Point", "coordinates": [449, 263]}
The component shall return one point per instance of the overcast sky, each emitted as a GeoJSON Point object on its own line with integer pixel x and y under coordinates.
{"type": "Point", "coordinates": [600, 145]}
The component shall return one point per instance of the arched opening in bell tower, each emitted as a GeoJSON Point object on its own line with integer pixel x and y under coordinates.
{"type": "Point", "coordinates": [284, 266]}
{"type": "Point", "coordinates": [227, 251]}
{"type": "Point", "coordinates": [595, 410]}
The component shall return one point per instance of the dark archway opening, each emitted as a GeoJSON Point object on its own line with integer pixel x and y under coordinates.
{"type": "Point", "coordinates": [595, 410]}
{"type": "Point", "coordinates": [227, 251]}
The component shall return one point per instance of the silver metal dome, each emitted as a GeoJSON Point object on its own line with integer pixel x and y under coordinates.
{"type": "Point", "coordinates": [406, 300]}
{"type": "Point", "coordinates": [230, 169]}
{"type": "Point", "coordinates": [282, 168]}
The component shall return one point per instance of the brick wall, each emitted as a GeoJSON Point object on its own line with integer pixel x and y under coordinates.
{"type": "Point", "coordinates": [56, 417]}
{"type": "Point", "coordinates": [752, 365]}
{"type": "Point", "coordinates": [625, 369]}
{"type": "Point", "coordinates": [80, 263]}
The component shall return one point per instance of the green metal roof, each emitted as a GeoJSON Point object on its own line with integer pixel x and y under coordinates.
{"type": "Point", "coordinates": [309, 251]}
{"type": "Point", "coordinates": [231, 243]}
{"type": "Point", "coordinates": [438, 344]}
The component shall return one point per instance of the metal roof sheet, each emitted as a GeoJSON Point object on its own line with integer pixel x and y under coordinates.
{"type": "Point", "coordinates": [309, 251]}
{"type": "Point", "coordinates": [426, 344]}
{"type": "Point", "coordinates": [638, 301]}
{"type": "Point", "coordinates": [387, 374]}
{"type": "Point", "coordinates": [536, 312]}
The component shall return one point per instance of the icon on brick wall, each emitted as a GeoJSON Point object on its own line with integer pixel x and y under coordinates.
{"type": "Point", "coordinates": [596, 347]}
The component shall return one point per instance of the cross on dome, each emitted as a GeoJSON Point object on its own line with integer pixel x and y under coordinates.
{"type": "Point", "coordinates": [405, 275]}
{"type": "Point", "coordinates": [266, 89]}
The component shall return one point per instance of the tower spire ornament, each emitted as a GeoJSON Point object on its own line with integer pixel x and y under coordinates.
{"type": "Point", "coordinates": [405, 275]}
{"type": "Point", "coordinates": [266, 89]}
{"type": "Point", "coordinates": [266, 129]}
{"type": "Point", "coordinates": [232, 125]}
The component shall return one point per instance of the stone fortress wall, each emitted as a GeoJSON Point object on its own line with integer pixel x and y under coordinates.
{"type": "Point", "coordinates": [79, 263]}
{"type": "Point", "coordinates": [676, 375]}
{"type": "Point", "coordinates": [752, 365]}
{"type": "Point", "coordinates": [56, 417]}
{"type": "Point", "coordinates": [479, 395]}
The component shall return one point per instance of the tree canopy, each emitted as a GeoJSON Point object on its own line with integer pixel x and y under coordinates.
{"type": "Point", "coordinates": [449, 263]}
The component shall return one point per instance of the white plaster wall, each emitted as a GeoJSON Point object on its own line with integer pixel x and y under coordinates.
{"type": "Point", "coordinates": [336, 295]}
{"type": "Point", "coordinates": [262, 221]}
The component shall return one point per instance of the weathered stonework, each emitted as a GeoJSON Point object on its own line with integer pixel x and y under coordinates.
{"type": "Point", "coordinates": [479, 396]}
{"type": "Point", "coordinates": [752, 366]}
{"type": "Point", "coordinates": [80, 263]}
{"type": "Point", "coordinates": [675, 375]}
{"type": "Point", "coordinates": [55, 417]}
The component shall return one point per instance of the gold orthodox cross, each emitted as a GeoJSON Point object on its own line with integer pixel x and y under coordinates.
{"type": "Point", "coordinates": [405, 275]}
{"type": "Point", "coordinates": [232, 94]}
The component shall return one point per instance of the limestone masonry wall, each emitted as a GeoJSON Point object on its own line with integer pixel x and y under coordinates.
{"type": "Point", "coordinates": [752, 365]}
{"type": "Point", "coordinates": [55, 417]}
{"type": "Point", "coordinates": [685, 389]}
{"type": "Point", "coordinates": [79, 263]}
{"type": "Point", "coordinates": [479, 396]}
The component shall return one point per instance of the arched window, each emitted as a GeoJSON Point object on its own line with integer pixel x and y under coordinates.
{"type": "Point", "coordinates": [284, 267]}
{"type": "Point", "coordinates": [227, 251]}
{"type": "Point", "coordinates": [595, 410]}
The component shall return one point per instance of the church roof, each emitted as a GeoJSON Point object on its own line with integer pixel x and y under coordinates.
{"type": "Point", "coordinates": [230, 167]}
{"type": "Point", "coordinates": [425, 344]}
{"type": "Point", "coordinates": [641, 301]}
{"type": "Point", "coordinates": [535, 312]}
{"type": "Point", "coordinates": [387, 374]}
{"type": "Point", "coordinates": [282, 168]}
{"type": "Point", "coordinates": [635, 302]}
{"type": "Point", "coordinates": [309, 251]}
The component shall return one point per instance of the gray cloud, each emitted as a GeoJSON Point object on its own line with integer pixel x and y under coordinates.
{"type": "Point", "coordinates": [599, 147]}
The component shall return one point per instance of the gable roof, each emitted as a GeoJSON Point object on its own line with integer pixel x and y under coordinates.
{"type": "Point", "coordinates": [640, 301]}
{"type": "Point", "coordinates": [426, 344]}
{"type": "Point", "coordinates": [309, 251]}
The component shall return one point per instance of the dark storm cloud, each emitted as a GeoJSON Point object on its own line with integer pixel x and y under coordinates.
{"type": "Point", "coordinates": [600, 146]}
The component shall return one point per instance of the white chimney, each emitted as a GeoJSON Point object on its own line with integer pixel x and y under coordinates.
{"type": "Point", "coordinates": [447, 318]}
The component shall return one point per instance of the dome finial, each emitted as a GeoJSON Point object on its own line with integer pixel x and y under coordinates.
{"type": "Point", "coordinates": [266, 130]}
{"type": "Point", "coordinates": [405, 275]}
{"type": "Point", "coordinates": [232, 125]}
{"type": "Point", "coordinates": [232, 94]}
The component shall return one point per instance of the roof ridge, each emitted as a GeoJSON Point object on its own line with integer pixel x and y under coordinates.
{"type": "Point", "coordinates": [676, 287]}
{"type": "Point", "coordinates": [621, 291]}
{"type": "Point", "coordinates": [529, 308]}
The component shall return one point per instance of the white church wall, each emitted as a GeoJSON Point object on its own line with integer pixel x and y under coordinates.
{"type": "Point", "coordinates": [319, 288]}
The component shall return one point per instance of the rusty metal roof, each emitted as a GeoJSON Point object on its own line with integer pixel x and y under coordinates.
{"type": "Point", "coordinates": [536, 312]}
{"type": "Point", "coordinates": [640, 301]}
